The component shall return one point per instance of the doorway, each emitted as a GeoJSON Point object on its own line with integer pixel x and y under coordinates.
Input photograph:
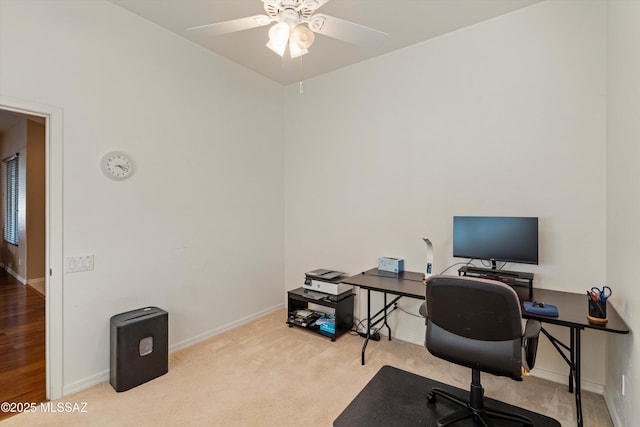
{"type": "Point", "coordinates": [22, 259]}
{"type": "Point", "coordinates": [53, 254]}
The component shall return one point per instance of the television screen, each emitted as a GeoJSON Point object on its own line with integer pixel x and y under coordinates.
{"type": "Point", "coordinates": [507, 239]}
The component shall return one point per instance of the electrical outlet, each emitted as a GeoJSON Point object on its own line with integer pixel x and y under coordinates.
{"type": "Point", "coordinates": [75, 264]}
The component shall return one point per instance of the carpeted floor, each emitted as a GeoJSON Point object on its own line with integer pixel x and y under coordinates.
{"type": "Point", "coordinates": [267, 374]}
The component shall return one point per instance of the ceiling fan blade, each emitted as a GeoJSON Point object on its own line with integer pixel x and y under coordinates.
{"type": "Point", "coordinates": [345, 30]}
{"type": "Point", "coordinates": [312, 4]}
{"type": "Point", "coordinates": [234, 25]}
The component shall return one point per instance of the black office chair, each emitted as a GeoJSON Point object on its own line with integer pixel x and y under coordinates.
{"type": "Point", "coordinates": [477, 323]}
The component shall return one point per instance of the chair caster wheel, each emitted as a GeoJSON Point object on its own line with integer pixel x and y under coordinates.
{"type": "Point", "coordinates": [431, 397]}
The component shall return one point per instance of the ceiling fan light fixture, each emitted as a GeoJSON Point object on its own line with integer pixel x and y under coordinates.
{"type": "Point", "coordinates": [302, 36]}
{"type": "Point", "coordinates": [295, 51]}
{"type": "Point", "coordinates": [278, 37]}
{"type": "Point", "coordinates": [277, 48]}
{"type": "Point", "coordinates": [279, 33]}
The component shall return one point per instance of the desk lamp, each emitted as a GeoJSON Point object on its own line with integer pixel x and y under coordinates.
{"type": "Point", "coordinates": [429, 268]}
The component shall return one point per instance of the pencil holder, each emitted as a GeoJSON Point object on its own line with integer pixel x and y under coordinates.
{"type": "Point", "coordinates": [597, 311]}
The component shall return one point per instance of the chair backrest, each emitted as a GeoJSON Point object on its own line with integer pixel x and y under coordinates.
{"type": "Point", "coordinates": [475, 323]}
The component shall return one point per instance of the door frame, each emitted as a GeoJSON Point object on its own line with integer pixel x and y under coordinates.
{"type": "Point", "coordinates": [54, 273]}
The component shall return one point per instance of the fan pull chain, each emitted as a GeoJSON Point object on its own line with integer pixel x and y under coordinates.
{"type": "Point", "coordinates": [301, 86]}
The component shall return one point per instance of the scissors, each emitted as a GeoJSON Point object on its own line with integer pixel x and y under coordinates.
{"type": "Point", "coordinates": [602, 294]}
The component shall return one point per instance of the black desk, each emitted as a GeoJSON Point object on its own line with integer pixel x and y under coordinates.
{"type": "Point", "coordinates": [572, 313]}
{"type": "Point", "coordinates": [572, 309]}
{"type": "Point", "coordinates": [405, 284]}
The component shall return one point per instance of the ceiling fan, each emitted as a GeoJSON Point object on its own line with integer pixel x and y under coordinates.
{"type": "Point", "coordinates": [290, 29]}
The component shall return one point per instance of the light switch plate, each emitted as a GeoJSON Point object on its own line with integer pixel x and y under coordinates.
{"type": "Point", "coordinates": [75, 264]}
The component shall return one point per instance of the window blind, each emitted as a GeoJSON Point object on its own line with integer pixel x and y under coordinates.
{"type": "Point", "coordinates": [11, 202]}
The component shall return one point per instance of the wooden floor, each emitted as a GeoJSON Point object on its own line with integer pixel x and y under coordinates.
{"type": "Point", "coordinates": [22, 343]}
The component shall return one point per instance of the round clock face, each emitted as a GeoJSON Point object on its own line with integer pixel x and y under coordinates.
{"type": "Point", "coordinates": [117, 165]}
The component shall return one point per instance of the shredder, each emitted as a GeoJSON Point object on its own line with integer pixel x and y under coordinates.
{"type": "Point", "coordinates": [139, 347]}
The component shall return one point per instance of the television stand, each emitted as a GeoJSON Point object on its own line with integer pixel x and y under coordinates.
{"type": "Point", "coordinates": [511, 278]}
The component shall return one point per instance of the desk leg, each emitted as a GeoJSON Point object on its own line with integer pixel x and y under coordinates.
{"type": "Point", "coordinates": [576, 355]}
{"type": "Point", "coordinates": [372, 321]}
{"type": "Point", "coordinates": [572, 355]}
{"type": "Point", "coordinates": [385, 316]}
{"type": "Point", "coordinates": [366, 340]}
{"type": "Point", "coordinates": [574, 362]}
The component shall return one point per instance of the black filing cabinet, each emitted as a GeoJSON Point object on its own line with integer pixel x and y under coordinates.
{"type": "Point", "coordinates": [139, 347]}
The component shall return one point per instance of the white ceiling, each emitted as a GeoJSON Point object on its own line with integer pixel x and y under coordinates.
{"type": "Point", "coordinates": [405, 21]}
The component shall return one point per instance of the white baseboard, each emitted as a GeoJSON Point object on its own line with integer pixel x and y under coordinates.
{"type": "Point", "coordinates": [104, 375]}
{"type": "Point", "coordinates": [615, 416]}
{"type": "Point", "coordinates": [85, 383]}
{"type": "Point", "coordinates": [15, 275]}
{"type": "Point", "coordinates": [563, 378]}
{"type": "Point", "coordinates": [217, 331]}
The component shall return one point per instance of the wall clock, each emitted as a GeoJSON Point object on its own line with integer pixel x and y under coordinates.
{"type": "Point", "coordinates": [117, 165]}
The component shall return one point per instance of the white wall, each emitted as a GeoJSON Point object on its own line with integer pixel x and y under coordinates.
{"type": "Point", "coordinates": [198, 229]}
{"type": "Point", "coordinates": [623, 204]}
{"type": "Point", "coordinates": [506, 117]}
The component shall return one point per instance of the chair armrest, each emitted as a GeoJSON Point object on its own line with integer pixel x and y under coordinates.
{"type": "Point", "coordinates": [423, 310]}
{"type": "Point", "coordinates": [532, 329]}
{"type": "Point", "coordinates": [530, 342]}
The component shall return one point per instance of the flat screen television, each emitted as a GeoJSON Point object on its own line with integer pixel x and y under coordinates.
{"type": "Point", "coordinates": [492, 238]}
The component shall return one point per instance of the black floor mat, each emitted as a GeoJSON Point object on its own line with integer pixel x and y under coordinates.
{"type": "Point", "coordinates": [395, 397]}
